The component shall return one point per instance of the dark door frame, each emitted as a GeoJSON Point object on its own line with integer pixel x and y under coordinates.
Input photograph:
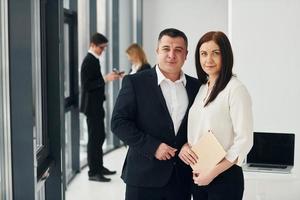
{"type": "Point", "coordinates": [71, 103]}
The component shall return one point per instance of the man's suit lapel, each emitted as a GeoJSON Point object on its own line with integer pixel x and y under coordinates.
{"type": "Point", "coordinates": [188, 87]}
{"type": "Point", "coordinates": [162, 99]}
{"type": "Point", "coordinates": [190, 98]}
{"type": "Point", "coordinates": [159, 93]}
{"type": "Point", "coordinates": [189, 92]}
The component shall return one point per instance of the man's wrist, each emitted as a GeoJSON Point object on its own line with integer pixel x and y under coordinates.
{"type": "Point", "coordinates": [105, 79]}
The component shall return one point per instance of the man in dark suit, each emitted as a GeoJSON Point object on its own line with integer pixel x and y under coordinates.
{"type": "Point", "coordinates": [92, 85]}
{"type": "Point", "coordinates": [150, 116]}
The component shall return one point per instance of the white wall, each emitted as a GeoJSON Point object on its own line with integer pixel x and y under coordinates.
{"type": "Point", "coordinates": [193, 17]}
{"type": "Point", "coordinates": [265, 39]}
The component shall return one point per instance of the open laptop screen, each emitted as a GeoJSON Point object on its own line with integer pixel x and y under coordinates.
{"type": "Point", "coordinates": [272, 148]}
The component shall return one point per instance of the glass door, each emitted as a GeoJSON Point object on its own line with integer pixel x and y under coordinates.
{"type": "Point", "coordinates": [71, 96]}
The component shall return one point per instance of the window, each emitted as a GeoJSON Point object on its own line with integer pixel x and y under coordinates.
{"type": "Point", "coordinates": [5, 145]}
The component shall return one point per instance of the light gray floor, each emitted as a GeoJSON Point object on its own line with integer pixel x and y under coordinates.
{"type": "Point", "coordinates": [81, 188]}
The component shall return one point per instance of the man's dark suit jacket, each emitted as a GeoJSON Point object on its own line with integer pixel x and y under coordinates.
{"type": "Point", "coordinates": [92, 86]}
{"type": "Point", "coordinates": [144, 67]}
{"type": "Point", "coordinates": [141, 119]}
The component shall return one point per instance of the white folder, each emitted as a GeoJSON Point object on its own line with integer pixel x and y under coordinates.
{"type": "Point", "coordinates": [209, 151]}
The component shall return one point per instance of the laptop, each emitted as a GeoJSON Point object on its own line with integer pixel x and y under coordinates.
{"type": "Point", "coordinates": [271, 152]}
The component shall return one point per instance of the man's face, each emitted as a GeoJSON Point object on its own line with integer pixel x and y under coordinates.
{"type": "Point", "coordinates": [171, 54]}
{"type": "Point", "coordinates": [98, 49]}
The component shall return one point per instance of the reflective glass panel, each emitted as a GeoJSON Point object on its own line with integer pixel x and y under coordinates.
{"type": "Point", "coordinates": [5, 144]}
{"type": "Point", "coordinates": [68, 145]}
{"type": "Point", "coordinates": [66, 61]}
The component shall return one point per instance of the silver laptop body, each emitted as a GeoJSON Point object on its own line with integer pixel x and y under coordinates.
{"type": "Point", "coordinates": [271, 153]}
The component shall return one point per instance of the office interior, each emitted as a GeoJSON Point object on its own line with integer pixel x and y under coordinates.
{"type": "Point", "coordinates": [43, 42]}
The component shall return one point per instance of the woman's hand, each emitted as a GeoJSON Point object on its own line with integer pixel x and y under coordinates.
{"type": "Point", "coordinates": [187, 155]}
{"type": "Point", "coordinates": [202, 179]}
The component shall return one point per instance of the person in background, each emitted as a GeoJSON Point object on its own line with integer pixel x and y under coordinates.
{"type": "Point", "coordinates": [150, 116]}
{"type": "Point", "coordinates": [137, 57]}
{"type": "Point", "coordinates": [223, 105]}
{"type": "Point", "coordinates": [92, 98]}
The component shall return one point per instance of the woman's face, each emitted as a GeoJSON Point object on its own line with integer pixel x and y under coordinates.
{"type": "Point", "coordinates": [210, 58]}
{"type": "Point", "coordinates": [132, 58]}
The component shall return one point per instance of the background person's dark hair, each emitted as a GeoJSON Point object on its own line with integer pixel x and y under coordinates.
{"type": "Point", "coordinates": [227, 62]}
{"type": "Point", "coordinates": [98, 38]}
{"type": "Point", "coordinates": [172, 32]}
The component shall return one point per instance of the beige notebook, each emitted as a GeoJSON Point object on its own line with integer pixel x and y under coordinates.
{"type": "Point", "coordinates": [209, 151]}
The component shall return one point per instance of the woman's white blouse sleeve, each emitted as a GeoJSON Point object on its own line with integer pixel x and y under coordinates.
{"type": "Point", "coordinates": [240, 108]}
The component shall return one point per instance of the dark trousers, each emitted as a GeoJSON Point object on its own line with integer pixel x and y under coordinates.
{"type": "Point", "coordinates": [96, 137]}
{"type": "Point", "coordinates": [227, 186]}
{"type": "Point", "coordinates": [174, 190]}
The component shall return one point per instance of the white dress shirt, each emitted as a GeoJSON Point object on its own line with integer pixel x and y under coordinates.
{"type": "Point", "coordinates": [229, 117]}
{"type": "Point", "coordinates": [134, 69]}
{"type": "Point", "coordinates": [175, 96]}
{"type": "Point", "coordinates": [96, 56]}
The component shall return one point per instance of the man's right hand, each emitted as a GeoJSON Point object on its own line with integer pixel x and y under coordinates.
{"type": "Point", "coordinates": [111, 76]}
{"type": "Point", "coordinates": [165, 152]}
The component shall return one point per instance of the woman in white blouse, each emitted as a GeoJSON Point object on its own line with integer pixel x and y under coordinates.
{"type": "Point", "coordinates": [223, 106]}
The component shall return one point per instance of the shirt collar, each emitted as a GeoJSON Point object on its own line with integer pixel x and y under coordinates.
{"type": "Point", "coordinates": [161, 77]}
{"type": "Point", "coordinates": [95, 55]}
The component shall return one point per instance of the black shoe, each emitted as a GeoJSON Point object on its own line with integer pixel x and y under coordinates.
{"type": "Point", "coordinates": [99, 178]}
{"type": "Point", "coordinates": [106, 171]}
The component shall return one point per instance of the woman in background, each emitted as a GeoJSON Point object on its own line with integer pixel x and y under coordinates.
{"type": "Point", "coordinates": [137, 57]}
{"type": "Point", "coordinates": [222, 105]}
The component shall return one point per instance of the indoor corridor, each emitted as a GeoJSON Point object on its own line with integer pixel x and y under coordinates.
{"type": "Point", "coordinates": [43, 45]}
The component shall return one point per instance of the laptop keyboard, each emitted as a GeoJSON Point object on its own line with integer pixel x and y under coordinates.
{"type": "Point", "coordinates": [268, 166]}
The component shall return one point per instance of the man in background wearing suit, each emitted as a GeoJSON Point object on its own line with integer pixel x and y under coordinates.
{"type": "Point", "coordinates": [93, 88]}
{"type": "Point", "coordinates": [150, 116]}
